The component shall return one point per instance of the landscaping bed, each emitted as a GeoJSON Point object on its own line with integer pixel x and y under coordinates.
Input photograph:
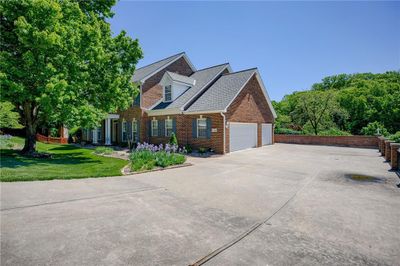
{"type": "Point", "coordinates": [146, 157]}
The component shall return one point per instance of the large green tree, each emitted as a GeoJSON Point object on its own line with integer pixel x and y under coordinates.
{"type": "Point", "coordinates": [60, 62]}
{"type": "Point", "coordinates": [316, 108]}
{"type": "Point", "coordinates": [359, 99]}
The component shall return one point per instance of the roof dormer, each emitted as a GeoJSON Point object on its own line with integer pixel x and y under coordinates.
{"type": "Point", "coordinates": [174, 85]}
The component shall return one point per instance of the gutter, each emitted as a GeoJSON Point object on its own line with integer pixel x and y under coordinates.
{"type": "Point", "coordinates": [224, 118]}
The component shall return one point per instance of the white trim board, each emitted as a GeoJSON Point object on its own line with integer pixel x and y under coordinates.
{"type": "Point", "coordinates": [166, 65]}
{"type": "Point", "coordinates": [264, 90]}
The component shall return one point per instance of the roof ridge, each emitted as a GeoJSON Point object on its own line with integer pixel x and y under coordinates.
{"type": "Point", "coordinates": [227, 63]}
{"type": "Point", "coordinates": [177, 74]}
{"type": "Point", "coordinates": [244, 70]}
{"type": "Point", "coordinates": [160, 60]}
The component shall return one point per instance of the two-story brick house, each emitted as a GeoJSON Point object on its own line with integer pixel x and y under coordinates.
{"type": "Point", "coordinates": [212, 108]}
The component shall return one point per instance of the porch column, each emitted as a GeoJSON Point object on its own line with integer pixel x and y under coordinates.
{"type": "Point", "coordinates": [94, 132]}
{"type": "Point", "coordinates": [108, 132]}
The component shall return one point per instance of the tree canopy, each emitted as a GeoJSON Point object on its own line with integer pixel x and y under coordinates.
{"type": "Point", "coordinates": [59, 62]}
{"type": "Point", "coordinates": [357, 100]}
{"type": "Point", "coordinates": [9, 118]}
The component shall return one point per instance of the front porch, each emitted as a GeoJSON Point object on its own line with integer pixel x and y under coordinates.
{"type": "Point", "coordinates": [106, 134]}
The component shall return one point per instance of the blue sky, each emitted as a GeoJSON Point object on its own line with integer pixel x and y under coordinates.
{"type": "Point", "coordinates": [293, 44]}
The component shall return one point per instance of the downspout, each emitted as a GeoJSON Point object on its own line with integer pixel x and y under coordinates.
{"type": "Point", "coordinates": [224, 118]}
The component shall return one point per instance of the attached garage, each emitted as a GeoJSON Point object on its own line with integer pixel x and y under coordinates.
{"type": "Point", "coordinates": [242, 136]}
{"type": "Point", "coordinates": [267, 132]}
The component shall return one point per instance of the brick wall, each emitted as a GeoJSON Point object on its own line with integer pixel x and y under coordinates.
{"type": "Point", "coordinates": [152, 91]}
{"type": "Point", "coordinates": [394, 147]}
{"type": "Point", "coordinates": [216, 141]}
{"type": "Point", "coordinates": [137, 113]}
{"type": "Point", "coordinates": [347, 141]}
{"type": "Point", "coordinates": [184, 132]}
{"type": "Point", "coordinates": [250, 106]}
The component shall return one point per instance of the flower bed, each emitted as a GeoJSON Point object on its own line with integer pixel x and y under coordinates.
{"type": "Point", "coordinates": [148, 156]}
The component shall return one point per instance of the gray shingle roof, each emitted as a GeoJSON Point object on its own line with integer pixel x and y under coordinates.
{"type": "Point", "coordinates": [222, 92]}
{"type": "Point", "coordinates": [143, 72]}
{"type": "Point", "coordinates": [181, 78]}
{"type": "Point", "coordinates": [203, 77]}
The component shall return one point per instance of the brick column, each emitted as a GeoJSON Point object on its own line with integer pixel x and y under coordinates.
{"type": "Point", "coordinates": [393, 155]}
{"type": "Point", "coordinates": [387, 150]}
{"type": "Point", "coordinates": [380, 138]}
{"type": "Point", "coordinates": [382, 141]}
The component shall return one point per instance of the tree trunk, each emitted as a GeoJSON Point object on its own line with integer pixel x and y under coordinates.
{"type": "Point", "coordinates": [30, 141]}
{"type": "Point", "coordinates": [30, 129]}
{"type": "Point", "coordinates": [316, 130]}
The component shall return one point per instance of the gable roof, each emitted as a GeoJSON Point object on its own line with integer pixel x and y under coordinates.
{"type": "Point", "coordinates": [204, 78]}
{"type": "Point", "coordinates": [142, 73]}
{"type": "Point", "coordinates": [221, 94]}
{"type": "Point", "coordinates": [180, 78]}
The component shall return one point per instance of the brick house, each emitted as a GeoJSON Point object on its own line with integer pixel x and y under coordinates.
{"type": "Point", "coordinates": [212, 108]}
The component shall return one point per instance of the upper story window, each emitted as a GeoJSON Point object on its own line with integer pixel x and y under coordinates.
{"type": "Point", "coordinates": [154, 128]}
{"type": "Point", "coordinates": [202, 128]}
{"type": "Point", "coordinates": [136, 101]}
{"type": "Point", "coordinates": [168, 93]}
{"type": "Point", "coordinates": [168, 127]}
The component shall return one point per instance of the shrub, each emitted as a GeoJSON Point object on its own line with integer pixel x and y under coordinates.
{"type": "Point", "coordinates": [142, 160]}
{"type": "Point", "coordinates": [188, 148]}
{"type": "Point", "coordinates": [374, 128]}
{"type": "Point", "coordinates": [147, 156]}
{"type": "Point", "coordinates": [288, 131]}
{"type": "Point", "coordinates": [103, 150]}
{"type": "Point", "coordinates": [53, 132]}
{"type": "Point", "coordinates": [173, 140]}
{"type": "Point", "coordinates": [334, 132]}
{"type": "Point", "coordinates": [202, 150]}
{"type": "Point", "coordinates": [395, 137]}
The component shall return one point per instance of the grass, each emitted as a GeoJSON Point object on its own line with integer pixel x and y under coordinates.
{"type": "Point", "coordinates": [67, 162]}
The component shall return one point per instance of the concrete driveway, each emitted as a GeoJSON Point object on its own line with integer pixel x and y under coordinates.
{"type": "Point", "coordinates": [277, 205]}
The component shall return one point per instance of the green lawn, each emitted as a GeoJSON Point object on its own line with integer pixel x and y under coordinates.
{"type": "Point", "coordinates": [68, 162]}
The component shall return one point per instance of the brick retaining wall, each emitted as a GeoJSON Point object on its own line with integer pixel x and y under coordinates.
{"type": "Point", "coordinates": [347, 141]}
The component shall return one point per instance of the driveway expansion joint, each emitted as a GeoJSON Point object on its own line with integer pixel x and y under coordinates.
{"type": "Point", "coordinates": [253, 228]}
{"type": "Point", "coordinates": [144, 189]}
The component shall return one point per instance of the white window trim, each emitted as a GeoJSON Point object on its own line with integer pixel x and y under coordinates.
{"type": "Point", "coordinates": [154, 122]}
{"type": "Point", "coordinates": [165, 100]}
{"type": "Point", "coordinates": [124, 130]}
{"type": "Point", "coordinates": [165, 127]}
{"type": "Point", "coordinates": [134, 122]}
{"type": "Point", "coordinates": [197, 133]}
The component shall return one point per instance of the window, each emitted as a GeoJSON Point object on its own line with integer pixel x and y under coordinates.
{"type": "Point", "coordinates": [201, 127]}
{"type": "Point", "coordinates": [136, 101]}
{"type": "Point", "coordinates": [99, 133]}
{"type": "Point", "coordinates": [168, 93]}
{"type": "Point", "coordinates": [124, 130]}
{"type": "Point", "coordinates": [154, 128]}
{"type": "Point", "coordinates": [168, 127]}
{"type": "Point", "coordinates": [135, 136]}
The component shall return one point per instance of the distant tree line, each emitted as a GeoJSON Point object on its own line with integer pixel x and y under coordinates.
{"type": "Point", "coordinates": [343, 104]}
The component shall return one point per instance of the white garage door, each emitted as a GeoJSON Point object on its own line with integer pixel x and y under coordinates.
{"type": "Point", "coordinates": [266, 134]}
{"type": "Point", "coordinates": [242, 136]}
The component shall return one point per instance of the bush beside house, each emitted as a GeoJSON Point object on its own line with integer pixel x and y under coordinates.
{"type": "Point", "coordinates": [148, 156]}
